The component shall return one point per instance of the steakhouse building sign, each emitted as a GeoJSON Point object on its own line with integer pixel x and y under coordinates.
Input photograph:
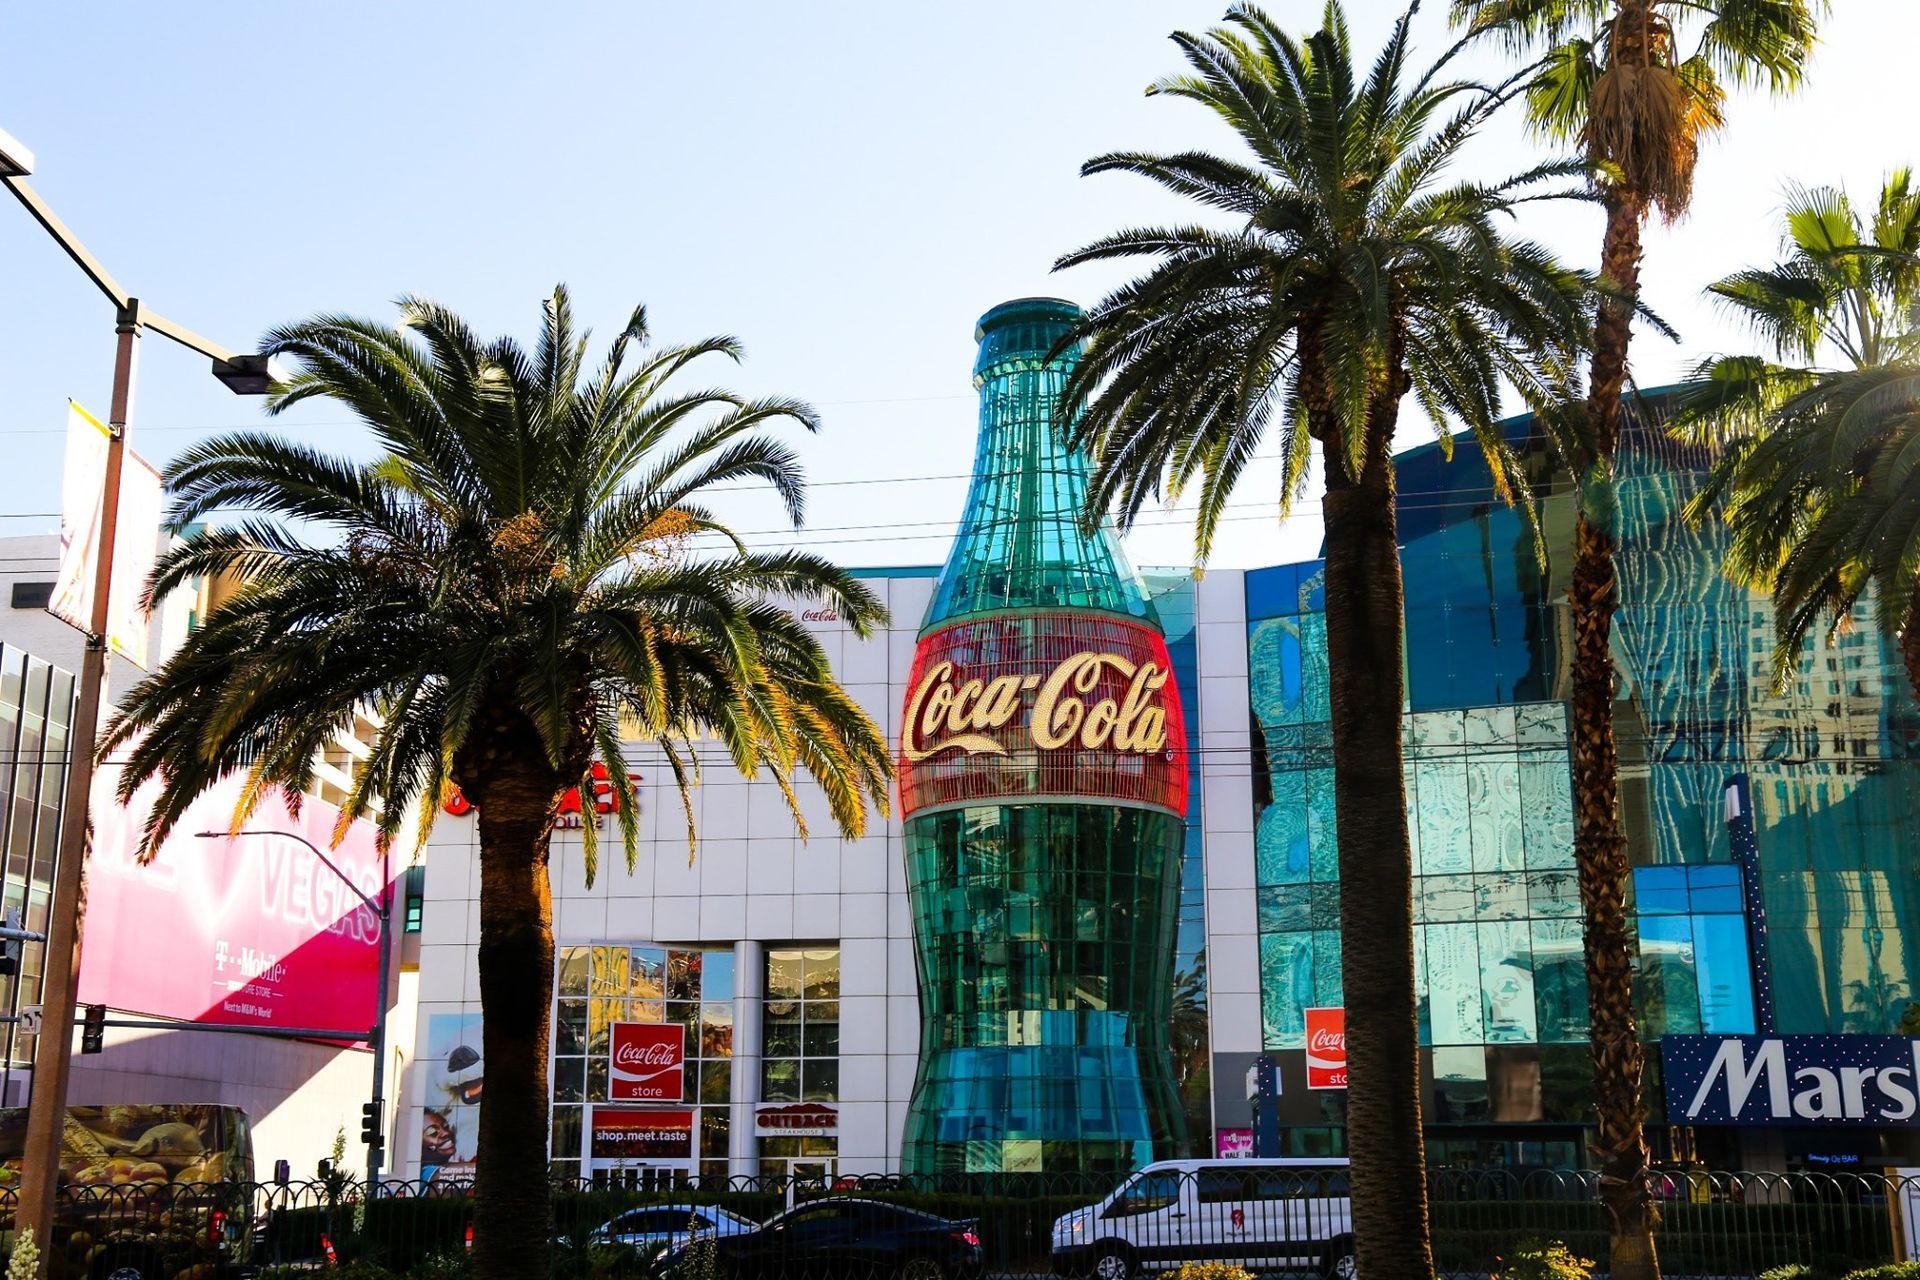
{"type": "Point", "coordinates": [1791, 1080]}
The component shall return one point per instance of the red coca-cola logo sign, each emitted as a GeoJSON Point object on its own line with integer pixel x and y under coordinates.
{"type": "Point", "coordinates": [1326, 1048]}
{"type": "Point", "coordinates": [820, 615]}
{"type": "Point", "coordinates": [648, 1062]}
{"type": "Point", "coordinates": [607, 798]}
{"type": "Point", "coordinates": [1068, 704]}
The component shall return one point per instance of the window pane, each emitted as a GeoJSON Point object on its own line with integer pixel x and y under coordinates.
{"type": "Point", "coordinates": [716, 976]}
{"type": "Point", "coordinates": [569, 1079]}
{"type": "Point", "coordinates": [1660, 891]}
{"type": "Point", "coordinates": [716, 1081]}
{"type": "Point", "coordinates": [1725, 974]}
{"type": "Point", "coordinates": [822, 1080]}
{"type": "Point", "coordinates": [783, 976]}
{"type": "Point", "coordinates": [683, 975]}
{"type": "Point", "coordinates": [566, 1132]}
{"type": "Point", "coordinates": [716, 1030]}
{"type": "Point", "coordinates": [780, 1080]}
{"type": "Point", "coordinates": [822, 975]}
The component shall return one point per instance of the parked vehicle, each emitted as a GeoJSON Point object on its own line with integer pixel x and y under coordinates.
{"type": "Point", "coordinates": [1261, 1214]}
{"type": "Point", "coordinates": [672, 1225]}
{"type": "Point", "coordinates": [147, 1191]}
{"type": "Point", "coordinates": [842, 1236]}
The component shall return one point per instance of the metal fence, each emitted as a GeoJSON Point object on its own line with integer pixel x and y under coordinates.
{"type": "Point", "coordinates": [650, 1225]}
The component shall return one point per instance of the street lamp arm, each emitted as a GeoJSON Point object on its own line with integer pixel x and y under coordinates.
{"type": "Point", "coordinates": [187, 337]}
{"type": "Point", "coordinates": [375, 907]}
{"type": "Point", "coordinates": [47, 218]}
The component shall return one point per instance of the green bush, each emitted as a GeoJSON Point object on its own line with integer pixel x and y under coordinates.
{"type": "Point", "coordinates": [442, 1266]}
{"type": "Point", "coordinates": [1888, 1271]}
{"type": "Point", "coordinates": [1792, 1271]}
{"type": "Point", "coordinates": [1544, 1260]}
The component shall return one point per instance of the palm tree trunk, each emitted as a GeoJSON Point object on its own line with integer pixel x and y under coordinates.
{"type": "Point", "coordinates": [513, 1203]}
{"type": "Point", "coordinates": [1600, 844]}
{"type": "Point", "coordinates": [1910, 640]}
{"type": "Point", "coordinates": [1366, 670]}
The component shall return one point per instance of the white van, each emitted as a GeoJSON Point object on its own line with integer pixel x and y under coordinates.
{"type": "Point", "coordinates": [1264, 1215]}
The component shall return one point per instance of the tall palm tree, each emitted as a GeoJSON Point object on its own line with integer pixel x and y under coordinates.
{"type": "Point", "coordinates": [1617, 78]}
{"type": "Point", "coordinates": [515, 584]}
{"type": "Point", "coordinates": [1347, 275]}
{"type": "Point", "coordinates": [1822, 436]}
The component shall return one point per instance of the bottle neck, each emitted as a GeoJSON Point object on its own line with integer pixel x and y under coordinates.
{"type": "Point", "coordinates": [1021, 544]}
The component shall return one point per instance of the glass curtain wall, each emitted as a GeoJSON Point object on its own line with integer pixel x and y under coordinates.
{"type": "Point", "coordinates": [1172, 595]}
{"type": "Point", "coordinates": [801, 1052]}
{"type": "Point", "coordinates": [36, 708]}
{"type": "Point", "coordinates": [604, 983]}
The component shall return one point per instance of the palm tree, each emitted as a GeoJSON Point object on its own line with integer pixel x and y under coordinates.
{"type": "Point", "coordinates": [513, 586]}
{"type": "Point", "coordinates": [1615, 77]}
{"type": "Point", "coordinates": [1815, 478]}
{"type": "Point", "coordinates": [1347, 276]}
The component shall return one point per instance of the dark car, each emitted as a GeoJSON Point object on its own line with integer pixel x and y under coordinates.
{"type": "Point", "coordinates": [843, 1236]}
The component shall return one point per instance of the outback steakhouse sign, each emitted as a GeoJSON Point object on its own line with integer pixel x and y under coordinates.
{"type": "Point", "coordinates": [1063, 704]}
{"type": "Point", "coordinates": [797, 1120]}
{"type": "Point", "coordinates": [649, 1062]}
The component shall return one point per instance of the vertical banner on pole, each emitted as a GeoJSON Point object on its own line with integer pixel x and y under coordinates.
{"type": "Point", "coordinates": [140, 510]}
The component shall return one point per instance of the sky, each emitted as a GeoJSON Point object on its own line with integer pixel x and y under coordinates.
{"type": "Point", "coordinates": [844, 187]}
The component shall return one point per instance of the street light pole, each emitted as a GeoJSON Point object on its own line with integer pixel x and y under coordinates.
{"type": "Point", "coordinates": [47, 1106]}
{"type": "Point", "coordinates": [377, 1036]}
{"type": "Point", "coordinates": [244, 375]}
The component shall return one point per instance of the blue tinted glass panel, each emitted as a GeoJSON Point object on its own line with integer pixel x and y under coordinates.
{"type": "Point", "coordinates": [1725, 974]}
{"type": "Point", "coordinates": [1715, 888]}
{"type": "Point", "coordinates": [1668, 984]}
{"type": "Point", "coordinates": [1660, 891]}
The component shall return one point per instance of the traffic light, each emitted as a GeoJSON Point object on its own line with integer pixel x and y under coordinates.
{"type": "Point", "coordinates": [93, 1031]}
{"type": "Point", "coordinates": [10, 947]}
{"type": "Point", "coordinates": [370, 1123]}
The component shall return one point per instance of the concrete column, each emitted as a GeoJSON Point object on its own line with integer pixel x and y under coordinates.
{"type": "Point", "coordinates": [749, 1007]}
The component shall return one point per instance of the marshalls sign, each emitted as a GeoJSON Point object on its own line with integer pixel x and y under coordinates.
{"type": "Point", "coordinates": [1791, 1080]}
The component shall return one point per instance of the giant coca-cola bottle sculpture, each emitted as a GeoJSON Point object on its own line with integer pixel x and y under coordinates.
{"type": "Point", "coordinates": [1043, 779]}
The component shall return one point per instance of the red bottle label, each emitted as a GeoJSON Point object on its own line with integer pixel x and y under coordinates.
{"type": "Point", "coordinates": [1079, 705]}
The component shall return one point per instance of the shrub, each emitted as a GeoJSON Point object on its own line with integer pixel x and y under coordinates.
{"type": "Point", "coordinates": [1888, 1271]}
{"type": "Point", "coordinates": [441, 1266]}
{"type": "Point", "coordinates": [1534, 1260]}
{"type": "Point", "coordinates": [1792, 1271]}
{"type": "Point", "coordinates": [1211, 1271]}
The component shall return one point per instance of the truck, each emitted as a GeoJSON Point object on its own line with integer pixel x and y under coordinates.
{"type": "Point", "coordinates": [147, 1191]}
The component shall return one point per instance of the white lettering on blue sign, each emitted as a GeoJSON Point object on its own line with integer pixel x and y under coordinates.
{"type": "Point", "coordinates": [1792, 1079]}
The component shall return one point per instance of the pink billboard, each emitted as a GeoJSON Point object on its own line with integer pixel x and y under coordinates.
{"type": "Point", "coordinates": [245, 931]}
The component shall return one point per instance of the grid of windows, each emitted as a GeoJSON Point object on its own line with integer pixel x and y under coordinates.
{"type": "Point", "coordinates": [1831, 759]}
{"type": "Point", "coordinates": [605, 983]}
{"type": "Point", "coordinates": [36, 707]}
{"type": "Point", "coordinates": [800, 1054]}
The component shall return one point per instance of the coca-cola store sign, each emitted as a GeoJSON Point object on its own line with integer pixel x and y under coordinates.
{"type": "Point", "coordinates": [1326, 1048]}
{"type": "Point", "coordinates": [649, 1062]}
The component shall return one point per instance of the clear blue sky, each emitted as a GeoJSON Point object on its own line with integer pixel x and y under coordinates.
{"type": "Point", "coordinates": [845, 187]}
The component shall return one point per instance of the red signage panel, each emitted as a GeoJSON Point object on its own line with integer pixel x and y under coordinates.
{"type": "Point", "coordinates": [649, 1062]}
{"type": "Point", "coordinates": [797, 1120]}
{"type": "Point", "coordinates": [250, 931]}
{"type": "Point", "coordinates": [621, 1133]}
{"type": "Point", "coordinates": [1081, 705]}
{"type": "Point", "coordinates": [1326, 1048]}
